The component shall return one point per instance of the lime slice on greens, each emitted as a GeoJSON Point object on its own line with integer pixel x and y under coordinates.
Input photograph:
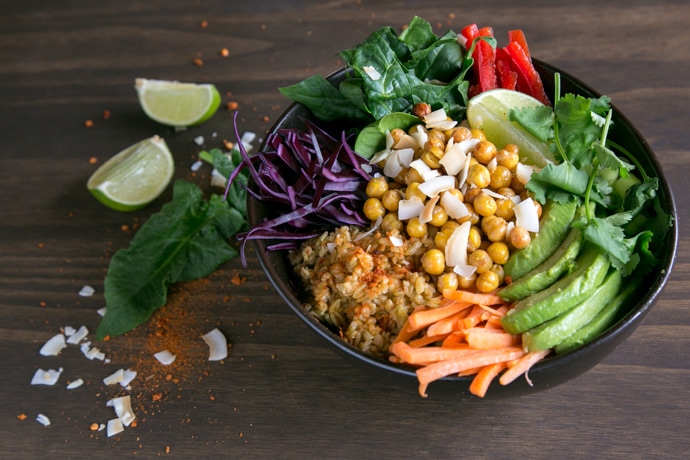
{"type": "Point", "coordinates": [133, 177]}
{"type": "Point", "coordinates": [489, 111]}
{"type": "Point", "coordinates": [175, 103]}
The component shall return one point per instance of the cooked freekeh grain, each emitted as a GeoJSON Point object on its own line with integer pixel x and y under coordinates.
{"type": "Point", "coordinates": [365, 284]}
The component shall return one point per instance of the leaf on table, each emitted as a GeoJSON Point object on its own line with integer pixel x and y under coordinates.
{"type": "Point", "coordinates": [185, 240]}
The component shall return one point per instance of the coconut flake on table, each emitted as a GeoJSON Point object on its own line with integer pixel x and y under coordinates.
{"type": "Point", "coordinates": [79, 335]}
{"type": "Point", "coordinates": [456, 246]}
{"type": "Point", "coordinates": [115, 426]}
{"type": "Point", "coordinates": [247, 139]}
{"type": "Point", "coordinates": [87, 291]}
{"type": "Point", "coordinates": [91, 352]}
{"type": "Point", "coordinates": [43, 420]}
{"type": "Point", "coordinates": [114, 378]}
{"type": "Point", "coordinates": [196, 165]}
{"type": "Point", "coordinates": [123, 409]}
{"type": "Point", "coordinates": [217, 344]}
{"type": "Point", "coordinates": [49, 377]}
{"type": "Point", "coordinates": [75, 384]}
{"type": "Point", "coordinates": [101, 311]}
{"type": "Point", "coordinates": [372, 72]}
{"type": "Point", "coordinates": [68, 330]}
{"type": "Point", "coordinates": [165, 357]}
{"type": "Point", "coordinates": [53, 346]}
{"type": "Point", "coordinates": [526, 215]}
{"type": "Point", "coordinates": [199, 140]}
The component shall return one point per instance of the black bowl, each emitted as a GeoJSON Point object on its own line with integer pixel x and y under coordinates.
{"type": "Point", "coordinates": [548, 373]}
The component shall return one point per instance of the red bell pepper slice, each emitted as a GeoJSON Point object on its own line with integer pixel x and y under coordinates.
{"type": "Point", "coordinates": [507, 77]}
{"type": "Point", "coordinates": [484, 55]}
{"type": "Point", "coordinates": [519, 36]}
{"type": "Point", "coordinates": [470, 33]}
{"type": "Point", "coordinates": [529, 81]}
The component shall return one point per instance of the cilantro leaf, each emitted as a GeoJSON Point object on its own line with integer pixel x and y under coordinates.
{"type": "Point", "coordinates": [537, 121]}
{"type": "Point", "coordinates": [185, 240]}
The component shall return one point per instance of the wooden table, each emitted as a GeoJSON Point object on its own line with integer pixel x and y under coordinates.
{"type": "Point", "coordinates": [283, 393]}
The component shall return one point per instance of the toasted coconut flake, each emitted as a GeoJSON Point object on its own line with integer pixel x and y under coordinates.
{"type": "Point", "coordinates": [380, 156]}
{"type": "Point", "coordinates": [217, 179]}
{"type": "Point", "coordinates": [430, 174]}
{"type": "Point", "coordinates": [123, 409]}
{"type": "Point", "coordinates": [392, 167]}
{"type": "Point", "coordinates": [372, 72]}
{"type": "Point", "coordinates": [87, 291]}
{"type": "Point", "coordinates": [375, 226]}
{"type": "Point", "coordinates": [217, 344]}
{"type": "Point", "coordinates": [68, 330]}
{"type": "Point", "coordinates": [406, 142]}
{"type": "Point", "coordinates": [75, 384]}
{"type": "Point", "coordinates": [462, 177]}
{"type": "Point", "coordinates": [465, 270]}
{"type": "Point", "coordinates": [493, 194]}
{"type": "Point", "coordinates": [196, 165]}
{"type": "Point", "coordinates": [523, 172]}
{"type": "Point", "coordinates": [419, 166]}
{"type": "Point", "coordinates": [165, 357]}
{"type": "Point", "coordinates": [455, 208]}
{"type": "Point", "coordinates": [420, 135]}
{"type": "Point", "coordinates": [43, 420]}
{"type": "Point", "coordinates": [491, 165]}
{"type": "Point", "coordinates": [454, 158]}
{"type": "Point", "coordinates": [114, 378]}
{"type": "Point", "coordinates": [78, 336]}
{"type": "Point", "coordinates": [101, 311]}
{"type": "Point", "coordinates": [436, 185]}
{"type": "Point", "coordinates": [456, 247]}
{"type": "Point", "coordinates": [526, 215]}
{"type": "Point", "coordinates": [428, 211]}
{"type": "Point", "coordinates": [53, 346]}
{"type": "Point", "coordinates": [435, 117]}
{"type": "Point", "coordinates": [405, 156]}
{"type": "Point", "coordinates": [407, 209]}
{"type": "Point", "coordinates": [115, 426]}
{"type": "Point", "coordinates": [395, 241]}
{"type": "Point", "coordinates": [49, 377]}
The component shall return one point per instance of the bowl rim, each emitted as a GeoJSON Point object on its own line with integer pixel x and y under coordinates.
{"type": "Point", "coordinates": [599, 347]}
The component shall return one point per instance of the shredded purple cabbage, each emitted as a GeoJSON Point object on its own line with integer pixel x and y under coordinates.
{"type": "Point", "coordinates": [313, 181]}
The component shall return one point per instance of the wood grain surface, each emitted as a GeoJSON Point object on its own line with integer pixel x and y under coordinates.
{"type": "Point", "coordinates": [283, 393]}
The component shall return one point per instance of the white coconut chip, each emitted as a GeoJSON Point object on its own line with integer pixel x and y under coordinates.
{"type": "Point", "coordinates": [101, 311]}
{"type": "Point", "coordinates": [405, 157]}
{"type": "Point", "coordinates": [115, 426]}
{"type": "Point", "coordinates": [49, 377]}
{"type": "Point", "coordinates": [360, 236]}
{"type": "Point", "coordinates": [53, 346]}
{"type": "Point", "coordinates": [392, 166]}
{"type": "Point", "coordinates": [464, 270]}
{"type": "Point", "coordinates": [75, 384]}
{"type": "Point", "coordinates": [454, 159]}
{"type": "Point", "coordinates": [526, 215]}
{"type": "Point", "coordinates": [248, 137]}
{"type": "Point", "coordinates": [165, 357]}
{"type": "Point", "coordinates": [439, 184]}
{"type": "Point", "coordinates": [115, 377]}
{"type": "Point", "coordinates": [493, 194]}
{"type": "Point", "coordinates": [217, 344]}
{"type": "Point", "coordinates": [43, 420]}
{"type": "Point", "coordinates": [371, 72]}
{"type": "Point", "coordinates": [523, 172]}
{"type": "Point", "coordinates": [395, 241]}
{"type": "Point", "coordinates": [454, 207]}
{"type": "Point", "coordinates": [68, 330]}
{"type": "Point", "coordinates": [196, 165]}
{"type": "Point", "coordinates": [380, 156]}
{"type": "Point", "coordinates": [199, 140]}
{"type": "Point", "coordinates": [456, 246]}
{"type": "Point", "coordinates": [428, 212]}
{"type": "Point", "coordinates": [87, 291]}
{"type": "Point", "coordinates": [407, 209]}
{"type": "Point", "coordinates": [78, 336]}
{"type": "Point", "coordinates": [462, 177]}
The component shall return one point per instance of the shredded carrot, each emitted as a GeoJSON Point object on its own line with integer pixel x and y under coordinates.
{"type": "Point", "coordinates": [473, 318]}
{"type": "Point", "coordinates": [427, 339]}
{"type": "Point", "coordinates": [472, 297]}
{"type": "Point", "coordinates": [426, 355]}
{"type": "Point", "coordinates": [454, 339]}
{"type": "Point", "coordinates": [481, 382]}
{"type": "Point", "coordinates": [440, 369]}
{"type": "Point", "coordinates": [423, 318]}
{"type": "Point", "coordinates": [447, 325]}
{"type": "Point", "coordinates": [486, 339]}
{"type": "Point", "coordinates": [523, 365]}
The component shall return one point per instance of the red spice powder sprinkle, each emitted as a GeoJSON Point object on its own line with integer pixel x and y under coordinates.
{"type": "Point", "coordinates": [88, 123]}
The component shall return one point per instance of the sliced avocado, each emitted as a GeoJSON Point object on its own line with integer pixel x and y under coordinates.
{"type": "Point", "coordinates": [564, 294]}
{"type": "Point", "coordinates": [559, 329]}
{"type": "Point", "coordinates": [548, 272]}
{"type": "Point", "coordinates": [599, 324]}
{"type": "Point", "coordinates": [553, 227]}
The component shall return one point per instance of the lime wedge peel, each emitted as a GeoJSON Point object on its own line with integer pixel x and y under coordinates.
{"type": "Point", "coordinates": [135, 176]}
{"type": "Point", "coordinates": [177, 104]}
{"type": "Point", "coordinates": [489, 111]}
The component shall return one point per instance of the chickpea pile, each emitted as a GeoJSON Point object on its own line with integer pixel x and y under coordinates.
{"type": "Point", "coordinates": [493, 233]}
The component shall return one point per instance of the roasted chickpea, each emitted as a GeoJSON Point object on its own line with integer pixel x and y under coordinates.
{"type": "Point", "coordinates": [397, 134]}
{"type": "Point", "coordinates": [413, 190]}
{"type": "Point", "coordinates": [505, 209]}
{"type": "Point", "coordinates": [487, 281]}
{"type": "Point", "coordinates": [436, 133]}
{"type": "Point", "coordinates": [519, 237]}
{"type": "Point", "coordinates": [480, 259]}
{"type": "Point", "coordinates": [434, 262]}
{"type": "Point", "coordinates": [507, 192]}
{"type": "Point", "coordinates": [479, 176]}
{"type": "Point", "coordinates": [478, 134]}
{"type": "Point", "coordinates": [441, 238]}
{"type": "Point", "coordinates": [391, 222]}
{"type": "Point", "coordinates": [501, 177]}
{"type": "Point", "coordinates": [474, 239]}
{"type": "Point", "coordinates": [494, 228]}
{"type": "Point", "coordinates": [416, 229]}
{"type": "Point", "coordinates": [471, 195]}
{"type": "Point", "coordinates": [457, 194]}
{"type": "Point", "coordinates": [460, 133]}
{"type": "Point", "coordinates": [447, 281]}
{"type": "Point", "coordinates": [508, 159]}
{"type": "Point", "coordinates": [401, 177]}
{"type": "Point", "coordinates": [484, 152]}
{"type": "Point", "coordinates": [421, 109]}
{"type": "Point", "coordinates": [430, 159]}
{"type": "Point", "coordinates": [517, 186]}
{"type": "Point", "coordinates": [512, 148]}
{"type": "Point", "coordinates": [439, 216]}
{"type": "Point", "coordinates": [538, 206]}
{"type": "Point", "coordinates": [500, 271]}
{"type": "Point", "coordinates": [413, 176]}
{"type": "Point", "coordinates": [373, 209]}
{"type": "Point", "coordinates": [391, 200]}
{"type": "Point", "coordinates": [450, 225]}
{"type": "Point", "coordinates": [499, 252]}
{"type": "Point", "coordinates": [472, 216]}
{"type": "Point", "coordinates": [485, 205]}
{"type": "Point", "coordinates": [467, 282]}
{"type": "Point", "coordinates": [377, 187]}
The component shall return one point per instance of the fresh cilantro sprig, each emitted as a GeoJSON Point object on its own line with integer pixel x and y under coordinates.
{"type": "Point", "coordinates": [621, 216]}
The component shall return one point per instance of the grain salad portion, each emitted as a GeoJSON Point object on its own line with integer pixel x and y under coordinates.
{"type": "Point", "coordinates": [365, 284]}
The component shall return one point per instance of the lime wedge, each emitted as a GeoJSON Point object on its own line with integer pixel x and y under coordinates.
{"type": "Point", "coordinates": [135, 176]}
{"type": "Point", "coordinates": [489, 110]}
{"type": "Point", "coordinates": [177, 104]}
